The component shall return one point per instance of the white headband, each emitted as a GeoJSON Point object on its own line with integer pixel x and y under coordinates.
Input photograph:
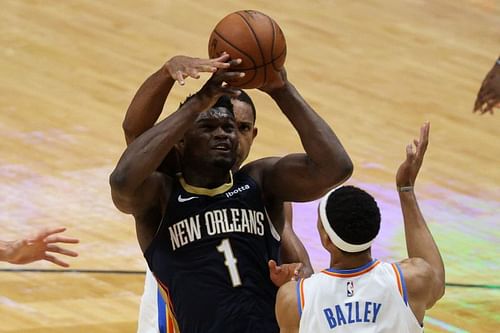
{"type": "Point", "coordinates": [336, 240]}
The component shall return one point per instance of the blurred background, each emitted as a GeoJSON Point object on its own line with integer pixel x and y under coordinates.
{"type": "Point", "coordinates": [375, 70]}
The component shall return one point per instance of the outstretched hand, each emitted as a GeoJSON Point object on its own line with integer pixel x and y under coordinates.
{"type": "Point", "coordinates": [181, 67]}
{"type": "Point", "coordinates": [217, 85]}
{"type": "Point", "coordinates": [40, 246]}
{"type": "Point", "coordinates": [408, 170]}
{"type": "Point", "coordinates": [283, 273]}
{"type": "Point", "coordinates": [488, 96]}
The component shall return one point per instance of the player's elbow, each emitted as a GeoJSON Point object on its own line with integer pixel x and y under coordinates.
{"type": "Point", "coordinates": [339, 171]}
{"type": "Point", "coordinates": [119, 181]}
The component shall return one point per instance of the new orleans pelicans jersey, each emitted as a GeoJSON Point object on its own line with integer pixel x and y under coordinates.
{"type": "Point", "coordinates": [210, 257]}
{"type": "Point", "coordinates": [371, 298]}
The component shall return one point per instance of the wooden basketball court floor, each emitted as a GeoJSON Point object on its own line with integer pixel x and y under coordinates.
{"type": "Point", "coordinates": [376, 70]}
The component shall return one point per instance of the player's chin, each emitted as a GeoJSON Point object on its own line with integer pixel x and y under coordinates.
{"type": "Point", "coordinates": [224, 161]}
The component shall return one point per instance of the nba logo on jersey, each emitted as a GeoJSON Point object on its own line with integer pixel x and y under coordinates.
{"type": "Point", "coordinates": [350, 288]}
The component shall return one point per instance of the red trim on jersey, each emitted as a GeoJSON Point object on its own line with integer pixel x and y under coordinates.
{"type": "Point", "coordinates": [172, 325]}
{"type": "Point", "coordinates": [398, 278]}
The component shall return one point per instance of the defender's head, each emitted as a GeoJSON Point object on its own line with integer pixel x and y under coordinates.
{"type": "Point", "coordinates": [349, 218]}
{"type": "Point", "coordinates": [245, 115]}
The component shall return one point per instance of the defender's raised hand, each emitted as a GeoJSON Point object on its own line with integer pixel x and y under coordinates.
{"type": "Point", "coordinates": [407, 172]}
{"type": "Point", "coordinates": [488, 96]}
{"type": "Point", "coordinates": [181, 67]}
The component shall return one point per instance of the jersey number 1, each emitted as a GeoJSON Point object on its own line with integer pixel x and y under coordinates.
{"type": "Point", "coordinates": [230, 261]}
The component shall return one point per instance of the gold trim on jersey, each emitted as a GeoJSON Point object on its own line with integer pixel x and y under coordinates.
{"type": "Point", "coordinates": [211, 192]}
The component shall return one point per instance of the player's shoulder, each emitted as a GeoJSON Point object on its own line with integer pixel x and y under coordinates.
{"type": "Point", "coordinates": [417, 273]}
{"type": "Point", "coordinates": [286, 299]}
{"type": "Point", "coordinates": [257, 168]}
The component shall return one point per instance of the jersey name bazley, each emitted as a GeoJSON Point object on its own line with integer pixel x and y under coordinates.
{"type": "Point", "coordinates": [215, 222]}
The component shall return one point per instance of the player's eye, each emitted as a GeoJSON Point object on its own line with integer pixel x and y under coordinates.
{"type": "Point", "coordinates": [244, 128]}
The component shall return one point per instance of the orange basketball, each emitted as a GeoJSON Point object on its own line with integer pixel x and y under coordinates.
{"type": "Point", "coordinates": [256, 39]}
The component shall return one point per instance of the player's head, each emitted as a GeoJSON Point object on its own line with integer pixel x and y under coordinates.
{"type": "Point", "coordinates": [245, 115]}
{"type": "Point", "coordinates": [349, 218]}
{"type": "Point", "coordinates": [212, 140]}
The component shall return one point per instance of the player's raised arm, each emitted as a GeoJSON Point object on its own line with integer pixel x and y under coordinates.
{"type": "Point", "coordinates": [424, 270]}
{"type": "Point", "coordinates": [303, 177]}
{"type": "Point", "coordinates": [148, 102]}
{"type": "Point", "coordinates": [134, 183]}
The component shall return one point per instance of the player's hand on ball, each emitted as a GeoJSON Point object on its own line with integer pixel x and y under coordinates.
{"type": "Point", "coordinates": [216, 86]}
{"type": "Point", "coordinates": [181, 67]}
{"type": "Point", "coordinates": [277, 80]}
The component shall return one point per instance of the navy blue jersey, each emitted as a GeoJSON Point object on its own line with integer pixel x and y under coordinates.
{"type": "Point", "coordinates": [210, 256]}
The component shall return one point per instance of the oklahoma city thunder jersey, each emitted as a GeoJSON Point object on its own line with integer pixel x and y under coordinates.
{"type": "Point", "coordinates": [210, 257]}
{"type": "Point", "coordinates": [371, 298]}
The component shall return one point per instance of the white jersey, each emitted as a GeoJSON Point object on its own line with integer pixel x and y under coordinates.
{"type": "Point", "coordinates": [370, 298]}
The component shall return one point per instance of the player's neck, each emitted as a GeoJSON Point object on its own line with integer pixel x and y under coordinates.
{"type": "Point", "coordinates": [350, 261]}
{"type": "Point", "coordinates": [206, 178]}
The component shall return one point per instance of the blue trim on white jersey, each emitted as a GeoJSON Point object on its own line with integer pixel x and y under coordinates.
{"type": "Point", "coordinates": [299, 301]}
{"type": "Point", "coordinates": [352, 270]}
{"type": "Point", "coordinates": [403, 284]}
{"type": "Point", "coordinates": [162, 315]}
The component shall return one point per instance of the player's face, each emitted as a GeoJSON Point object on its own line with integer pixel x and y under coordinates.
{"type": "Point", "coordinates": [212, 140]}
{"type": "Point", "coordinates": [246, 129]}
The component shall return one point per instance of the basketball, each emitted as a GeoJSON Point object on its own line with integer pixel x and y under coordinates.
{"type": "Point", "coordinates": [256, 39]}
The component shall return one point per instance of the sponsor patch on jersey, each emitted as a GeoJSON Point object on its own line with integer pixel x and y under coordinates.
{"type": "Point", "coordinates": [240, 189]}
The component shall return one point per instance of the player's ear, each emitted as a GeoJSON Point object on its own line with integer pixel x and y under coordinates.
{"type": "Point", "coordinates": [179, 146]}
{"type": "Point", "coordinates": [255, 132]}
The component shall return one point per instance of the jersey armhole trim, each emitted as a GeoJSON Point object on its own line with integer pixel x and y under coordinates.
{"type": "Point", "coordinates": [300, 296]}
{"type": "Point", "coordinates": [401, 282]}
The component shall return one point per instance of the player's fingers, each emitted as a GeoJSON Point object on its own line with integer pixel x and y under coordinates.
{"type": "Point", "coordinates": [224, 57]}
{"type": "Point", "coordinates": [179, 77]}
{"type": "Point", "coordinates": [61, 239]}
{"type": "Point", "coordinates": [410, 154]}
{"type": "Point", "coordinates": [61, 250]}
{"type": "Point", "coordinates": [194, 73]}
{"type": "Point", "coordinates": [55, 260]}
{"type": "Point", "coordinates": [235, 62]}
{"type": "Point", "coordinates": [50, 231]}
{"type": "Point", "coordinates": [491, 104]}
{"type": "Point", "coordinates": [272, 265]}
{"type": "Point", "coordinates": [298, 268]}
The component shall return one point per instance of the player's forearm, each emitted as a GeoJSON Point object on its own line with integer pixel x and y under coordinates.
{"type": "Point", "coordinates": [330, 162]}
{"type": "Point", "coordinates": [147, 104]}
{"type": "Point", "coordinates": [145, 154]}
{"type": "Point", "coordinates": [295, 252]}
{"type": "Point", "coordinates": [419, 240]}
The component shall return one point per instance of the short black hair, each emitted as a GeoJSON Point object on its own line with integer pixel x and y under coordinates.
{"type": "Point", "coordinates": [245, 98]}
{"type": "Point", "coordinates": [353, 214]}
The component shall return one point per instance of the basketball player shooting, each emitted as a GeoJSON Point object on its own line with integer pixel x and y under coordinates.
{"type": "Point", "coordinates": [142, 114]}
{"type": "Point", "coordinates": [208, 234]}
{"type": "Point", "coordinates": [358, 293]}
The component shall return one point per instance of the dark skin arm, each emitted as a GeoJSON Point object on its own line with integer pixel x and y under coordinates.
{"type": "Point", "coordinates": [148, 102]}
{"type": "Point", "coordinates": [136, 187]}
{"type": "Point", "coordinates": [293, 251]}
{"type": "Point", "coordinates": [325, 163]}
